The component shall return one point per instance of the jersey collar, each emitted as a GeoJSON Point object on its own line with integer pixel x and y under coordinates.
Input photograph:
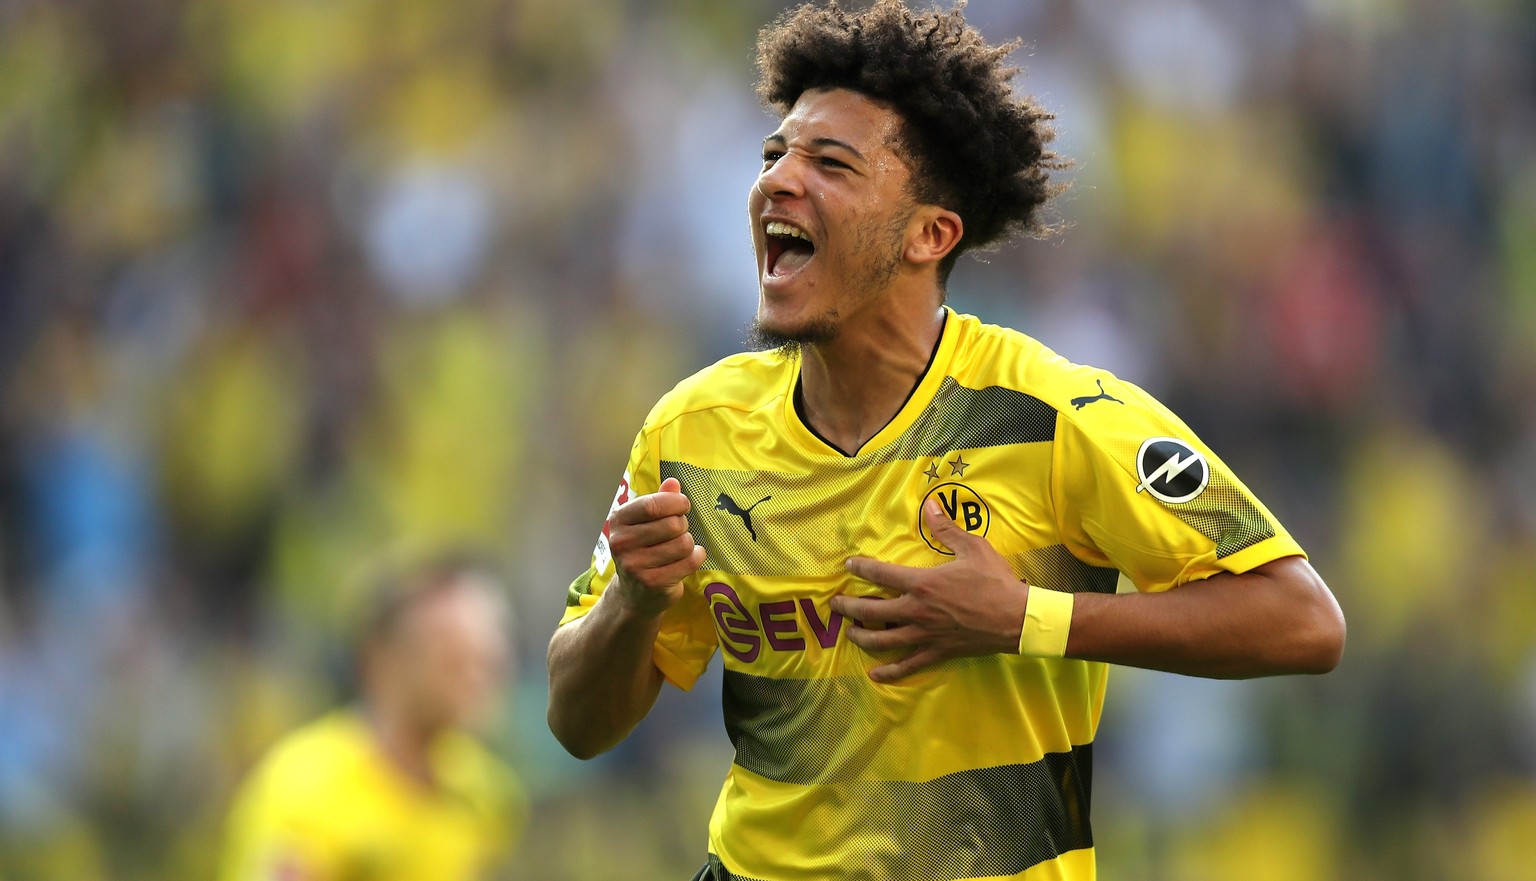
{"type": "Point", "coordinates": [922, 394]}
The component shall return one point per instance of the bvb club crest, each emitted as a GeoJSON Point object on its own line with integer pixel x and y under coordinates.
{"type": "Point", "coordinates": [961, 504]}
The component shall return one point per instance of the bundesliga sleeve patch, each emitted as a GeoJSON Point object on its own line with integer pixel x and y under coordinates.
{"type": "Point", "coordinates": [602, 557]}
{"type": "Point", "coordinates": [1171, 471]}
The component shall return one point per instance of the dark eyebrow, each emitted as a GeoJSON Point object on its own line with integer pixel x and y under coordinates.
{"type": "Point", "coordinates": [778, 140]}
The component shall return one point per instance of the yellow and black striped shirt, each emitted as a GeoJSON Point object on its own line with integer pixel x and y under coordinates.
{"type": "Point", "coordinates": [976, 768]}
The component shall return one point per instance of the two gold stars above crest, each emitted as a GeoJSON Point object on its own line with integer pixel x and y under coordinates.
{"type": "Point", "coordinates": [956, 467]}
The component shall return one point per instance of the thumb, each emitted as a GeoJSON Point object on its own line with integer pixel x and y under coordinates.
{"type": "Point", "coordinates": [670, 485]}
{"type": "Point", "coordinates": [946, 530]}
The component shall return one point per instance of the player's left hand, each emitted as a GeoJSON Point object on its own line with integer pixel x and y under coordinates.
{"type": "Point", "coordinates": [973, 605]}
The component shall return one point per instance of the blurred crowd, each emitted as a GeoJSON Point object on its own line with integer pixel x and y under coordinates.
{"type": "Point", "coordinates": [289, 284]}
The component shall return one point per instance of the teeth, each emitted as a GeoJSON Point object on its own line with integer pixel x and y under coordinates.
{"type": "Point", "coordinates": [779, 228]}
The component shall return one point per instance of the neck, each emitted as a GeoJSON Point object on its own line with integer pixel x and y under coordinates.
{"type": "Point", "coordinates": [404, 741]}
{"type": "Point", "coordinates": [855, 385]}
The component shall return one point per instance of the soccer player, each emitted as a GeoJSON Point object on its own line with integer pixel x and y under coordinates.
{"type": "Point", "coordinates": [393, 789]}
{"type": "Point", "coordinates": [903, 528]}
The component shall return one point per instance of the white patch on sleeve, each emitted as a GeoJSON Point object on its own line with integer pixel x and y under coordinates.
{"type": "Point", "coordinates": [602, 557]}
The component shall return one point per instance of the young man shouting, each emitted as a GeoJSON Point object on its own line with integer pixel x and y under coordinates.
{"type": "Point", "coordinates": [902, 527]}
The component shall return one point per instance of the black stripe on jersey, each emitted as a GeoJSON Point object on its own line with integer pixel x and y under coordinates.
{"type": "Point", "coordinates": [961, 418]}
{"type": "Point", "coordinates": [796, 730]}
{"type": "Point", "coordinates": [809, 543]}
{"type": "Point", "coordinates": [1223, 514]}
{"type": "Point", "coordinates": [794, 534]}
{"type": "Point", "coordinates": [975, 823]}
{"type": "Point", "coordinates": [1055, 568]}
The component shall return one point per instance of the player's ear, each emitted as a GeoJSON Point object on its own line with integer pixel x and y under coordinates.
{"type": "Point", "coordinates": [931, 234]}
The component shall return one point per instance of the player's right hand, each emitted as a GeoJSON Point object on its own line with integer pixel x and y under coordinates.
{"type": "Point", "coordinates": [652, 548]}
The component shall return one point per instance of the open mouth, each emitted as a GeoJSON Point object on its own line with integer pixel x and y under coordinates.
{"type": "Point", "coordinates": [788, 248]}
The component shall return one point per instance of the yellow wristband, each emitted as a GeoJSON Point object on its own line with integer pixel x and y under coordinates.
{"type": "Point", "coordinates": [1047, 618]}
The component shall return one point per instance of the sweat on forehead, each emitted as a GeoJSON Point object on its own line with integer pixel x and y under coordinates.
{"type": "Point", "coordinates": [842, 120]}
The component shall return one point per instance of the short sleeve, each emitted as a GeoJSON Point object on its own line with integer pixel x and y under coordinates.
{"type": "Point", "coordinates": [640, 478]}
{"type": "Point", "coordinates": [1135, 489]}
{"type": "Point", "coordinates": [687, 639]}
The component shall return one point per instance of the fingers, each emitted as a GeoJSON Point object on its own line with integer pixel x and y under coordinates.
{"type": "Point", "coordinates": [870, 611]}
{"type": "Point", "coordinates": [650, 522]}
{"type": "Point", "coordinates": [666, 502]}
{"type": "Point", "coordinates": [871, 631]}
{"type": "Point", "coordinates": [636, 558]}
{"type": "Point", "coordinates": [906, 666]}
{"type": "Point", "coordinates": [650, 541]}
{"type": "Point", "coordinates": [665, 575]}
{"type": "Point", "coordinates": [948, 531]}
{"type": "Point", "coordinates": [909, 637]}
{"type": "Point", "coordinates": [624, 536]}
{"type": "Point", "coordinates": [885, 640]}
{"type": "Point", "coordinates": [906, 578]}
{"type": "Point", "coordinates": [901, 578]}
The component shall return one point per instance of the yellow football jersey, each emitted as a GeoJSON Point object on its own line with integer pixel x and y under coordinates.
{"type": "Point", "coordinates": [977, 768]}
{"type": "Point", "coordinates": [325, 805]}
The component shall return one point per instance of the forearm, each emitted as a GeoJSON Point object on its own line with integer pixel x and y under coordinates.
{"type": "Point", "coordinates": [1280, 618]}
{"type": "Point", "coordinates": [602, 680]}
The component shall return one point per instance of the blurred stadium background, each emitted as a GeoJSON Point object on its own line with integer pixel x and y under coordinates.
{"type": "Point", "coordinates": [284, 283]}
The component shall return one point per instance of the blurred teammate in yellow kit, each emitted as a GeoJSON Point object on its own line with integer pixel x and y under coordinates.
{"type": "Point", "coordinates": [393, 788]}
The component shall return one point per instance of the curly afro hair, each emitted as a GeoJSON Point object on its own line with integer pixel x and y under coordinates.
{"type": "Point", "coordinates": [974, 146]}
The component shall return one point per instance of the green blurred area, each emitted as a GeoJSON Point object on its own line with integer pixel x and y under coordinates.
{"type": "Point", "coordinates": [287, 286]}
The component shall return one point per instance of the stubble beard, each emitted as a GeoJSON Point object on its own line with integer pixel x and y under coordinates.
{"type": "Point", "coordinates": [883, 243]}
{"type": "Point", "coordinates": [821, 329]}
